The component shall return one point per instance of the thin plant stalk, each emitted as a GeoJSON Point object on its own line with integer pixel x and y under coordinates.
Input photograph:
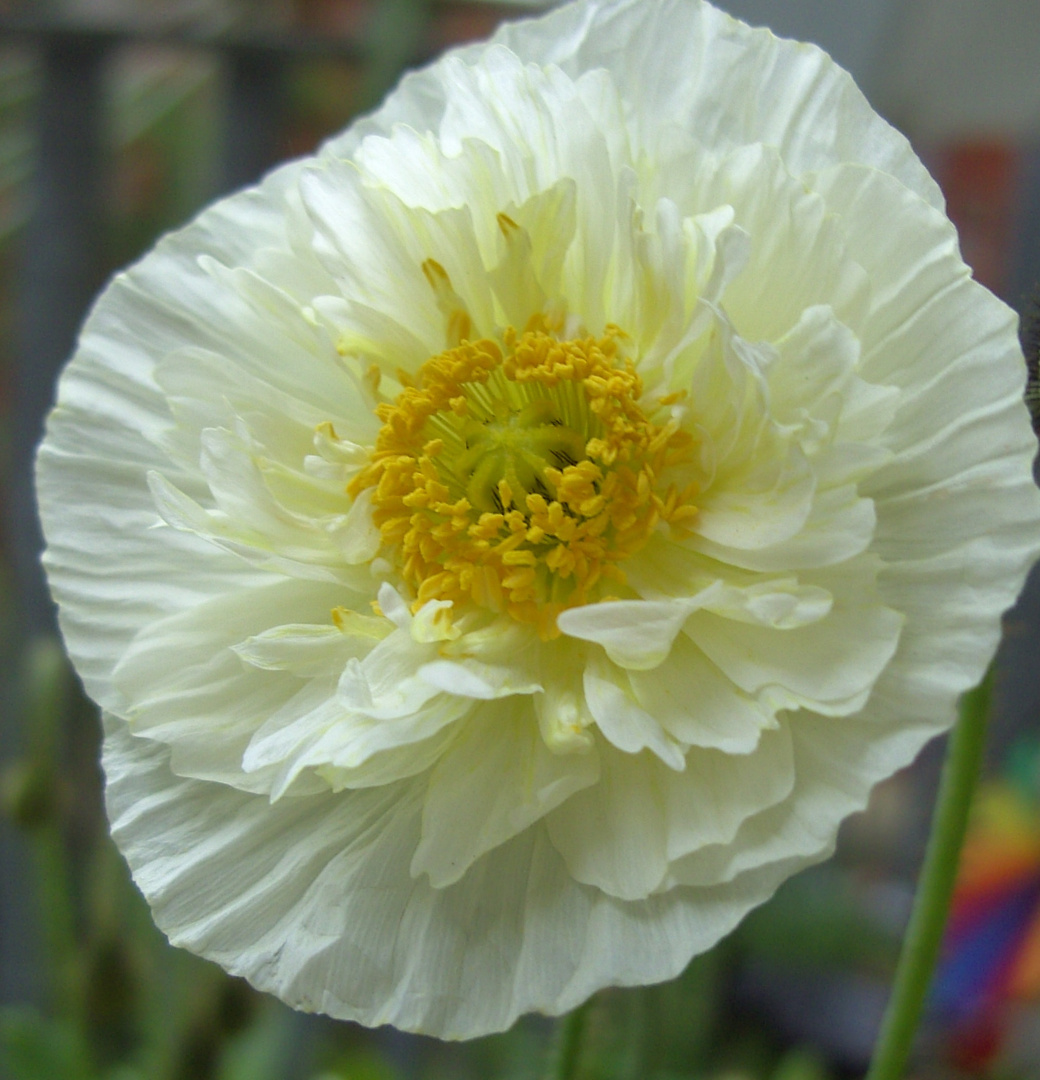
{"type": "Point", "coordinates": [566, 1054]}
{"type": "Point", "coordinates": [935, 888]}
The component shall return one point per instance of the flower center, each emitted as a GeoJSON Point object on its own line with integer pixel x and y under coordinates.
{"type": "Point", "coordinates": [517, 475]}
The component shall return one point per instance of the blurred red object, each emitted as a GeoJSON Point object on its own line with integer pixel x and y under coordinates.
{"type": "Point", "coordinates": [981, 181]}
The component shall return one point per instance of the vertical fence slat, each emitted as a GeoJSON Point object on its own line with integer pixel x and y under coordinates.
{"type": "Point", "coordinates": [58, 275]}
{"type": "Point", "coordinates": [252, 115]}
{"type": "Point", "coordinates": [60, 269]}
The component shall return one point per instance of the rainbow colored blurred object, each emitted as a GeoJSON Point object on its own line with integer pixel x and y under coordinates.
{"type": "Point", "coordinates": [991, 954]}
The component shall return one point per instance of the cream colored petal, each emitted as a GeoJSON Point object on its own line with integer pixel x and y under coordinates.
{"type": "Point", "coordinates": [208, 390]}
{"type": "Point", "coordinates": [621, 833]}
{"type": "Point", "coordinates": [713, 75]}
{"type": "Point", "coordinates": [386, 684]}
{"type": "Point", "coordinates": [527, 275]}
{"type": "Point", "coordinates": [798, 257]}
{"type": "Point", "coordinates": [669, 568]}
{"type": "Point", "coordinates": [760, 486]}
{"type": "Point", "coordinates": [376, 247]}
{"type": "Point", "coordinates": [699, 68]}
{"type": "Point", "coordinates": [563, 713]}
{"type": "Point", "coordinates": [613, 835]}
{"type": "Point", "coordinates": [709, 802]}
{"type": "Point", "coordinates": [276, 339]}
{"type": "Point", "coordinates": [313, 736]}
{"type": "Point", "coordinates": [295, 550]}
{"type": "Point", "coordinates": [495, 781]}
{"type": "Point", "coordinates": [115, 572]}
{"type": "Point", "coordinates": [104, 433]}
{"type": "Point", "coordinates": [836, 765]}
{"type": "Point", "coordinates": [957, 499]}
{"type": "Point", "coordinates": [471, 678]}
{"type": "Point", "coordinates": [829, 665]}
{"type": "Point", "coordinates": [619, 718]}
{"type": "Point", "coordinates": [636, 634]}
{"type": "Point", "coordinates": [312, 899]}
{"type": "Point", "coordinates": [209, 704]}
{"type": "Point", "coordinates": [816, 363]}
{"type": "Point", "coordinates": [698, 705]}
{"type": "Point", "coordinates": [840, 525]}
{"type": "Point", "coordinates": [311, 649]}
{"type": "Point", "coordinates": [763, 504]}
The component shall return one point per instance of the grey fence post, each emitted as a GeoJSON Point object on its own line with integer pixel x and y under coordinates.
{"type": "Point", "coordinates": [60, 268]}
{"type": "Point", "coordinates": [252, 114]}
{"type": "Point", "coordinates": [59, 274]}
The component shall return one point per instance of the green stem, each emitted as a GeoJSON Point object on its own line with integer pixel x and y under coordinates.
{"type": "Point", "coordinates": [938, 875]}
{"type": "Point", "coordinates": [570, 1030]}
{"type": "Point", "coordinates": [45, 710]}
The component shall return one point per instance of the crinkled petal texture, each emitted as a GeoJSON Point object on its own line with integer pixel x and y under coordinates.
{"type": "Point", "coordinates": [349, 755]}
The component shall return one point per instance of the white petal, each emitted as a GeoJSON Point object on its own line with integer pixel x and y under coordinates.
{"type": "Point", "coordinates": [613, 835]}
{"type": "Point", "coordinates": [718, 792]}
{"type": "Point", "coordinates": [666, 568]}
{"type": "Point", "coordinates": [698, 705]}
{"type": "Point", "coordinates": [314, 732]}
{"type": "Point", "coordinates": [829, 665]}
{"type": "Point", "coordinates": [500, 764]}
{"type": "Point", "coordinates": [803, 103]}
{"type": "Point", "coordinates": [621, 720]}
{"type": "Point", "coordinates": [349, 932]}
{"type": "Point", "coordinates": [798, 257]}
{"type": "Point", "coordinates": [309, 649]}
{"type": "Point", "coordinates": [385, 685]}
{"type": "Point", "coordinates": [840, 525]}
{"type": "Point", "coordinates": [562, 711]}
{"type": "Point", "coordinates": [470, 678]}
{"type": "Point", "coordinates": [836, 764]}
{"type": "Point", "coordinates": [359, 539]}
{"type": "Point", "coordinates": [636, 634]}
{"type": "Point", "coordinates": [208, 705]}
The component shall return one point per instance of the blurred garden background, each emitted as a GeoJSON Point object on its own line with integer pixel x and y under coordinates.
{"type": "Point", "coordinates": [118, 120]}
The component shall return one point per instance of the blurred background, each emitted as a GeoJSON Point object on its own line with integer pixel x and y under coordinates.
{"type": "Point", "coordinates": [118, 120]}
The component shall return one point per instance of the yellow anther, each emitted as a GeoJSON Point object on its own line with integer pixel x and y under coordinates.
{"type": "Point", "coordinates": [520, 558]}
{"type": "Point", "coordinates": [516, 474]}
{"type": "Point", "coordinates": [536, 503]}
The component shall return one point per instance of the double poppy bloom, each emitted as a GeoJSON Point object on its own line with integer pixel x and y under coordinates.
{"type": "Point", "coordinates": [506, 545]}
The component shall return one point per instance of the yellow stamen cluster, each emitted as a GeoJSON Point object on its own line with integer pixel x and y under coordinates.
{"type": "Point", "coordinates": [518, 475]}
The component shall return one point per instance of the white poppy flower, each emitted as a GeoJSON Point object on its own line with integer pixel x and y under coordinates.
{"type": "Point", "coordinates": [506, 545]}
